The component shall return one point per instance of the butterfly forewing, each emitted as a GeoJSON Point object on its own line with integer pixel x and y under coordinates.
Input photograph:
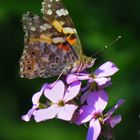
{"type": "Point", "coordinates": [55, 12]}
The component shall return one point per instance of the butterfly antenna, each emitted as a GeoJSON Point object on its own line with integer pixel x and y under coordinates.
{"type": "Point", "coordinates": [105, 47]}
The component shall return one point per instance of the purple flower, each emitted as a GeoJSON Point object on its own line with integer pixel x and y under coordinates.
{"type": "Point", "coordinates": [60, 107]}
{"type": "Point", "coordinates": [35, 101]}
{"type": "Point", "coordinates": [88, 106]}
{"type": "Point", "coordinates": [101, 76]}
{"type": "Point", "coordinates": [96, 103]}
{"type": "Point", "coordinates": [93, 112]}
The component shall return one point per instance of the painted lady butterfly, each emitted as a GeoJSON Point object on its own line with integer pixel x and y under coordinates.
{"type": "Point", "coordinates": [52, 45]}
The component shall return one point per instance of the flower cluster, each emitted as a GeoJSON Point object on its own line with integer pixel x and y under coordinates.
{"type": "Point", "coordinates": [80, 98]}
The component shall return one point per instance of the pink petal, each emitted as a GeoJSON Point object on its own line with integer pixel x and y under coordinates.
{"type": "Point", "coordinates": [112, 110]}
{"type": "Point", "coordinates": [94, 130]}
{"type": "Point", "coordinates": [26, 118]}
{"type": "Point", "coordinates": [73, 77]}
{"type": "Point", "coordinates": [107, 84]}
{"type": "Point", "coordinates": [46, 114]}
{"type": "Point", "coordinates": [101, 81]}
{"type": "Point", "coordinates": [98, 100]}
{"type": "Point", "coordinates": [84, 89]}
{"type": "Point", "coordinates": [56, 93]}
{"type": "Point", "coordinates": [36, 96]}
{"type": "Point", "coordinates": [114, 120]}
{"type": "Point", "coordinates": [66, 112]}
{"type": "Point", "coordinates": [35, 100]}
{"type": "Point", "coordinates": [105, 70]}
{"type": "Point", "coordinates": [29, 114]}
{"type": "Point", "coordinates": [85, 115]}
{"type": "Point", "coordinates": [84, 97]}
{"type": "Point", "coordinates": [72, 91]}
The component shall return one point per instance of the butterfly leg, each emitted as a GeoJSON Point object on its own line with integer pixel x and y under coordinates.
{"type": "Point", "coordinates": [62, 72]}
{"type": "Point", "coordinates": [79, 69]}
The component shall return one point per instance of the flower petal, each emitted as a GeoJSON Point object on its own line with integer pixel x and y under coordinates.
{"type": "Point", "coordinates": [71, 78]}
{"type": "Point", "coordinates": [56, 93]}
{"type": "Point", "coordinates": [94, 130]}
{"type": "Point", "coordinates": [26, 118]}
{"type": "Point", "coordinates": [112, 110]}
{"type": "Point", "coordinates": [107, 84]}
{"type": "Point", "coordinates": [85, 115]}
{"type": "Point", "coordinates": [66, 112]}
{"type": "Point", "coordinates": [105, 70]}
{"type": "Point", "coordinates": [29, 114]}
{"type": "Point", "coordinates": [35, 101]}
{"type": "Point", "coordinates": [102, 81]}
{"type": "Point", "coordinates": [114, 120]}
{"type": "Point", "coordinates": [72, 91]}
{"type": "Point", "coordinates": [74, 77]}
{"type": "Point", "coordinates": [46, 114]}
{"type": "Point", "coordinates": [36, 96]}
{"type": "Point", "coordinates": [84, 97]}
{"type": "Point", "coordinates": [98, 100]}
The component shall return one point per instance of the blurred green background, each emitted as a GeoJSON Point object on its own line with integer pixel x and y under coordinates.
{"type": "Point", "coordinates": [98, 23]}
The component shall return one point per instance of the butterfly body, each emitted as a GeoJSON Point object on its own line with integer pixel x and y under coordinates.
{"type": "Point", "coordinates": [51, 43]}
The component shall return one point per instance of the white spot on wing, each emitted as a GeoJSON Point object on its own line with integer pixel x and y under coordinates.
{"type": "Point", "coordinates": [68, 30]}
{"type": "Point", "coordinates": [66, 12]}
{"type": "Point", "coordinates": [58, 40]}
{"type": "Point", "coordinates": [49, 12]}
{"type": "Point", "coordinates": [62, 12]}
{"type": "Point", "coordinates": [47, 25]}
{"type": "Point", "coordinates": [59, 13]}
{"type": "Point", "coordinates": [43, 3]}
{"type": "Point", "coordinates": [49, 5]}
{"type": "Point", "coordinates": [33, 28]}
{"type": "Point", "coordinates": [44, 27]}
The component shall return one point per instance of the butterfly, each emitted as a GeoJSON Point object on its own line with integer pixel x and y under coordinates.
{"type": "Point", "coordinates": [51, 43]}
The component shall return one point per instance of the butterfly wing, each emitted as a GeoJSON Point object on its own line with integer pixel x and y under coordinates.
{"type": "Point", "coordinates": [55, 12]}
{"type": "Point", "coordinates": [51, 42]}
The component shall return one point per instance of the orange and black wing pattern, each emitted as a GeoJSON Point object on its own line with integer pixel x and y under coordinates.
{"type": "Point", "coordinates": [51, 42]}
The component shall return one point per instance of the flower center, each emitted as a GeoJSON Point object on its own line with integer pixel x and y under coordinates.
{"type": "Point", "coordinates": [61, 103]}
{"type": "Point", "coordinates": [97, 115]}
{"type": "Point", "coordinates": [93, 86]}
{"type": "Point", "coordinates": [93, 76]}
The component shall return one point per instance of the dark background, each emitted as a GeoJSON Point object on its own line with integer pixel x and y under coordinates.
{"type": "Point", "coordinates": [98, 23]}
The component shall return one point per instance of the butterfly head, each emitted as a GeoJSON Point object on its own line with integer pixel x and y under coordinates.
{"type": "Point", "coordinates": [82, 64]}
{"type": "Point", "coordinates": [88, 61]}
